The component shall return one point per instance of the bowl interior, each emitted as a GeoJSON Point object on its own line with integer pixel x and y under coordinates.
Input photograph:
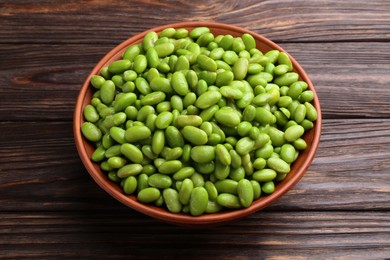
{"type": "Point", "coordinates": [85, 149]}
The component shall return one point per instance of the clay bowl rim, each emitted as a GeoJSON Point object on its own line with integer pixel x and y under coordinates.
{"type": "Point", "coordinates": [297, 171]}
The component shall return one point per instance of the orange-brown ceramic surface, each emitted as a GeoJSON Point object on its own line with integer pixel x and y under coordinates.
{"type": "Point", "coordinates": [85, 149]}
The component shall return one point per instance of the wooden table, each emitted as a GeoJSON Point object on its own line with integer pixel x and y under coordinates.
{"type": "Point", "coordinates": [50, 208]}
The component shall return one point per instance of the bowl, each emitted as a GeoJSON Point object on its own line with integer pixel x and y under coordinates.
{"type": "Point", "coordinates": [85, 149]}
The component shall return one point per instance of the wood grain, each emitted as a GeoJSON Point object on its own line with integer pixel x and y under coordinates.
{"type": "Point", "coordinates": [349, 172]}
{"type": "Point", "coordinates": [274, 235]}
{"type": "Point", "coordinates": [52, 209]}
{"type": "Point", "coordinates": [96, 21]}
{"type": "Point", "coordinates": [346, 89]}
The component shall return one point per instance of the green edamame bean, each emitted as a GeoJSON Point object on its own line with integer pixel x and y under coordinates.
{"type": "Point", "coordinates": [119, 66]}
{"type": "Point", "coordinates": [97, 81]}
{"type": "Point", "coordinates": [131, 52]}
{"type": "Point", "coordinates": [99, 154]}
{"type": "Point", "coordinates": [278, 165]}
{"type": "Point", "coordinates": [137, 133]}
{"type": "Point", "coordinates": [227, 116]}
{"type": "Point", "coordinates": [140, 63]}
{"type": "Point", "coordinates": [161, 84]}
{"type": "Point", "coordinates": [106, 167]}
{"type": "Point", "coordinates": [226, 42]}
{"type": "Point", "coordinates": [173, 137]}
{"type": "Point", "coordinates": [107, 92]}
{"type": "Point", "coordinates": [168, 32]}
{"type": "Point", "coordinates": [300, 144]}
{"type": "Point", "coordinates": [118, 134]}
{"type": "Point", "coordinates": [235, 159]}
{"type": "Point", "coordinates": [183, 173]}
{"type": "Point", "coordinates": [160, 181]}
{"type": "Point", "coordinates": [185, 120]}
{"type": "Point", "coordinates": [130, 185]}
{"type": "Point", "coordinates": [224, 78]}
{"type": "Point", "coordinates": [149, 40]}
{"type": "Point", "coordinates": [211, 190]}
{"type": "Point", "coordinates": [213, 207]}
{"type": "Point", "coordinates": [231, 92]}
{"type": "Point", "coordinates": [198, 31]}
{"type": "Point", "coordinates": [311, 112]}
{"type": "Point", "coordinates": [226, 186]}
{"type": "Point", "coordinates": [116, 162]}
{"type": "Point", "coordinates": [281, 69]}
{"type": "Point", "coordinates": [158, 141]}
{"type": "Point", "coordinates": [207, 128]}
{"type": "Point", "coordinates": [129, 170]}
{"type": "Point", "coordinates": [206, 63]}
{"type": "Point", "coordinates": [203, 153]}
{"type": "Point", "coordinates": [198, 201]}
{"type": "Point", "coordinates": [228, 200]}
{"type": "Point", "coordinates": [288, 153]}
{"type": "Point", "coordinates": [221, 171]}
{"type": "Point", "coordinates": [245, 192]}
{"type": "Point", "coordinates": [148, 195]}
{"type": "Point", "coordinates": [240, 68]}
{"type": "Point", "coordinates": [276, 136]}
{"type": "Point", "coordinates": [91, 132]}
{"type": "Point", "coordinates": [189, 99]}
{"type": "Point", "coordinates": [238, 45]}
{"type": "Point", "coordinates": [256, 189]}
{"type": "Point", "coordinates": [164, 49]}
{"type": "Point", "coordinates": [272, 55]}
{"type": "Point", "coordinates": [237, 174]}
{"type": "Point", "coordinates": [170, 167]}
{"type": "Point", "coordinates": [163, 120]}
{"type": "Point", "coordinates": [208, 113]}
{"type": "Point", "coordinates": [230, 57]}
{"type": "Point", "coordinates": [143, 86]}
{"type": "Point", "coordinates": [152, 58]}
{"type": "Point", "coordinates": [222, 154]}
{"type": "Point", "coordinates": [144, 112]}
{"type": "Point", "coordinates": [132, 152]}
{"type": "Point", "coordinates": [265, 152]}
{"type": "Point", "coordinates": [264, 175]}
{"type": "Point", "coordinates": [307, 96]}
{"type": "Point", "coordinates": [208, 99]}
{"type": "Point", "coordinates": [205, 39]}
{"type": "Point", "coordinates": [147, 151]}
{"type": "Point", "coordinates": [90, 114]}
{"type": "Point", "coordinates": [164, 106]}
{"type": "Point", "coordinates": [249, 41]}
{"type": "Point", "coordinates": [293, 133]}
{"type": "Point", "coordinates": [174, 154]}
{"type": "Point", "coordinates": [245, 145]}
{"type": "Point", "coordinates": [259, 163]}
{"type": "Point", "coordinates": [179, 83]}
{"type": "Point", "coordinates": [181, 33]}
{"type": "Point", "coordinates": [268, 187]}
{"type": "Point", "coordinates": [153, 98]}
{"type": "Point", "coordinates": [142, 181]}
{"type": "Point", "coordinates": [243, 128]}
{"type": "Point", "coordinates": [185, 191]}
{"type": "Point", "coordinates": [286, 79]}
{"type": "Point", "coordinates": [171, 198]}
{"type": "Point", "coordinates": [127, 99]}
{"type": "Point", "coordinates": [177, 103]}
{"type": "Point", "coordinates": [194, 135]}
{"type": "Point", "coordinates": [283, 58]}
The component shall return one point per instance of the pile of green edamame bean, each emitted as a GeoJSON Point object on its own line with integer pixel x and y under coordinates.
{"type": "Point", "coordinates": [198, 123]}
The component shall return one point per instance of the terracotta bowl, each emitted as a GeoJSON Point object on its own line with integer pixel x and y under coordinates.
{"type": "Point", "coordinates": [85, 149]}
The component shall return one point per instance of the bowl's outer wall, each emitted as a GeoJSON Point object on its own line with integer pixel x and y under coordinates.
{"type": "Point", "coordinates": [85, 149]}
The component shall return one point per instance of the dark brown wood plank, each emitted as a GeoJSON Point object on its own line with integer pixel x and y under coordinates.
{"type": "Point", "coordinates": [40, 170]}
{"type": "Point", "coordinates": [113, 21]}
{"type": "Point", "coordinates": [42, 81]}
{"type": "Point", "coordinates": [292, 235]}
